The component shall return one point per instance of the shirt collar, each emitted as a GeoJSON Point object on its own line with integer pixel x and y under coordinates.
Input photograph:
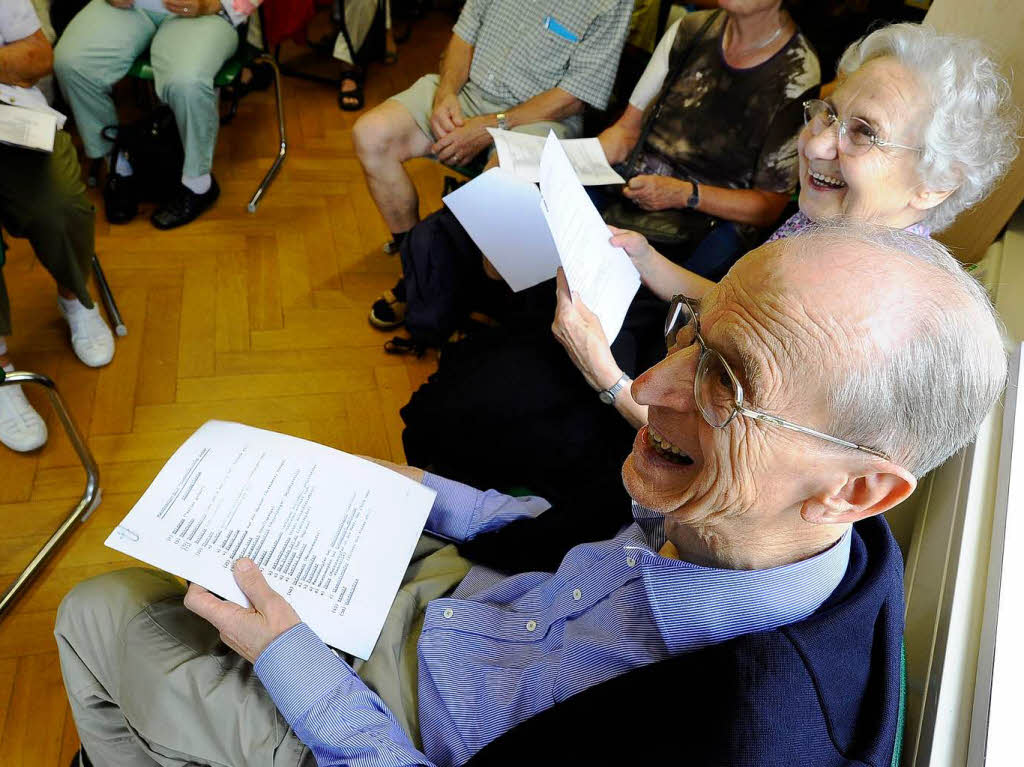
{"type": "Point", "coordinates": [695, 606]}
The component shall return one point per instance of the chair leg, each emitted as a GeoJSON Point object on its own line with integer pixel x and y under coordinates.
{"type": "Point", "coordinates": [108, 298]}
{"type": "Point", "coordinates": [90, 495]}
{"type": "Point", "coordinates": [282, 150]}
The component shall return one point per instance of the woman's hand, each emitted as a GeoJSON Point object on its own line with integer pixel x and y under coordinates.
{"type": "Point", "coordinates": [192, 7]}
{"type": "Point", "coordinates": [579, 331]}
{"type": "Point", "coordinates": [637, 248]}
{"type": "Point", "coordinates": [617, 142]}
{"type": "Point", "coordinates": [124, 5]}
{"type": "Point", "coordinates": [658, 192]}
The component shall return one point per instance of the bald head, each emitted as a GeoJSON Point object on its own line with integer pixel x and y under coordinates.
{"type": "Point", "coordinates": [906, 342]}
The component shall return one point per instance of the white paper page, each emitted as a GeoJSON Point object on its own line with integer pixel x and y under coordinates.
{"type": "Point", "coordinates": [520, 153]}
{"type": "Point", "coordinates": [30, 98]}
{"type": "Point", "coordinates": [602, 274]}
{"type": "Point", "coordinates": [27, 128]}
{"type": "Point", "coordinates": [332, 533]}
{"type": "Point", "coordinates": [503, 216]}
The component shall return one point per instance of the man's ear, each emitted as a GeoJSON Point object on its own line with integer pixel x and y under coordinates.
{"type": "Point", "coordinates": [860, 495]}
{"type": "Point", "coordinates": [924, 198]}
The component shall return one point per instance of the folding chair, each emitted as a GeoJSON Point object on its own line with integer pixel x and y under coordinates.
{"type": "Point", "coordinates": [227, 77]}
{"type": "Point", "coordinates": [90, 495]}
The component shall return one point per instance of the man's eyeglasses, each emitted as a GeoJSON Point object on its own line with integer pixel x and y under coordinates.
{"type": "Point", "coordinates": [855, 135]}
{"type": "Point", "coordinates": [716, 389]}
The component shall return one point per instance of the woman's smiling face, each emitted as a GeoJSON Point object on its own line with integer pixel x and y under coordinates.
{"type": "Point", "coordinates": [882, 184]}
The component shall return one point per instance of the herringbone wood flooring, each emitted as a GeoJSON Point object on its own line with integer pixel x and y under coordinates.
{"type": "Point", "coordinates": [256, 318]}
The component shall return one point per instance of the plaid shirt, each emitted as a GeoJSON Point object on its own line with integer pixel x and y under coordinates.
{"type": "Point", "coordinates": [517, 55]}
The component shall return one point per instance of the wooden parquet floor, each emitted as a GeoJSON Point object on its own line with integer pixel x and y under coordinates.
{"type": "Point", "coordinates": [259, 318]}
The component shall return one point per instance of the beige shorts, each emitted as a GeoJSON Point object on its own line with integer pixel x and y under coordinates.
{"type": "Point", "coordinates": [419, 100]}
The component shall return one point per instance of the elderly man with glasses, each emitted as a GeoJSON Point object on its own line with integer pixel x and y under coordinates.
{"type": "Point", "coordinates": [788, 414]}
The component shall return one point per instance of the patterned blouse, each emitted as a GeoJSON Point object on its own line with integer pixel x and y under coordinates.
{"type": "Point", "coordinates": [799, 221]}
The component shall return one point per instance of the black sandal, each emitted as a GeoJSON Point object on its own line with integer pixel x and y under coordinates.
{"type": "Point", "coordinates": [399, 345]}
{"type": "Point", "coordinates": [351, 100]}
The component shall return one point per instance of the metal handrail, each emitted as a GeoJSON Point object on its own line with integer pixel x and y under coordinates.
{"type": "Point", "coordinates": [90, 496]}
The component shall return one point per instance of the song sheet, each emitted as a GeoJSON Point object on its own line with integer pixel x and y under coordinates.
{"type": "Point", "coordinates": [520, 153]}
{"type": "Point", "coordinates": [602, 274]}
{"type": "Point", "coordinates": [331, 532]}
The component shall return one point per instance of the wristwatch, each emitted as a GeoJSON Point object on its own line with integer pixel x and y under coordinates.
{"type": "Point", "coordinates": [694, 199]}
{"type": "Point", "coordinates": [502, 119]}
{"type": "Point", "coordinates": [608, 395]}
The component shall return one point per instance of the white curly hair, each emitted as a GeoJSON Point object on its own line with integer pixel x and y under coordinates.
{"type": "Point", "coordinates": [971, 136]}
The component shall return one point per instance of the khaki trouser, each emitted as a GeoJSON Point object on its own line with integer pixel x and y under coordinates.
{"type": "Point", "coordinates": [150, 683]}
{"type": "Point", "coordinates": [42, 198]}
{"type": "Point", "coordinates": [419, 100]}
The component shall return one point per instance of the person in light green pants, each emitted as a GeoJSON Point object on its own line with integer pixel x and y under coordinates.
{"type": "Point", "coordinates": [189, 41]}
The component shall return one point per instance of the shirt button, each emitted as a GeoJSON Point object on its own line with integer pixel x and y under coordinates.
{"type": "Point", "coordinates": [630, 561]}
{"type": "Point", "coordinates": [448, 612]}
{"type": "Point", "coordinates": [577, 595]}
{"type": "Point", "coordinates": [531, 625]}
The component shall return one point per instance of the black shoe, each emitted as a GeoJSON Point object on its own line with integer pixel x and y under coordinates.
{"type": "Point", "coordinates": [81, 759]}
{"type": "Point", "coordinates": [185, 207]}
{"type": "Point", "coordinates": [120, 198]}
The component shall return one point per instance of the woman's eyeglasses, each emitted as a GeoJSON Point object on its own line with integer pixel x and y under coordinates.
{"type": "Point", "coordinates": [855, 135]}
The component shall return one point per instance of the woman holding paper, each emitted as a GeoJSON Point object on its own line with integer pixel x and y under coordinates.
{"type": "Point", "coordinates": [920, 128]}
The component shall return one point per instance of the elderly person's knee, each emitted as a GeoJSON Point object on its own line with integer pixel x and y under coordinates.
{"type": "Point", "coordinates": [385, 132]}
{"type": "Point", "coordinates": [184, 82]}
{"type": "Point", "coordinates": [108, 602]}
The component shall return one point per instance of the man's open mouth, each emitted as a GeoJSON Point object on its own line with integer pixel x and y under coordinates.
{"type": "Point", "coordinates": [666, 449]}
{"type": "Point", "coordinates": [823, 181]}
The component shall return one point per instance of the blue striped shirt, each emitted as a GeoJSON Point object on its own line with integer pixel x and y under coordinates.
{"type": "Point", "coordinates": [502, 649]}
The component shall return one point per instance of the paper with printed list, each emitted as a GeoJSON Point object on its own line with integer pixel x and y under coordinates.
{"type": "Point", "coordinates": [520, 153]}
{"type": "Point", "coordinates": [602, 274]}
{"type": "Point", "coordinates": [527, 234]}
{"type": "Point", "coordinates": [331, 532]}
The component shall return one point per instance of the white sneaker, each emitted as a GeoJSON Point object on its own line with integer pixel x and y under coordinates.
{"type": "Point", "coordinates": [90, 335]}
{"type": "Point", "coordinates": [21, 428]}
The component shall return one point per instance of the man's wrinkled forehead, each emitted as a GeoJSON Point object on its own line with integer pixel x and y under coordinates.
{"type": "Point", "coordinates": [785, 309]}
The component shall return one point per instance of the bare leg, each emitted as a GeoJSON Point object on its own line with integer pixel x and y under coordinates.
{"type": "Point", "coordinates": [385, 137]}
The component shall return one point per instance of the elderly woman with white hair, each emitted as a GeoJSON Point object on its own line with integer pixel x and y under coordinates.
{"type": "Point", "coordinates": [919, 128]}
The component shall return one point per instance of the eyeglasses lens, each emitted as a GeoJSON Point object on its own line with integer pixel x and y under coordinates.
{"type": "Point", "coordinates": [680, 330]}
{"type": "Point", "coordinates": [715, 390]}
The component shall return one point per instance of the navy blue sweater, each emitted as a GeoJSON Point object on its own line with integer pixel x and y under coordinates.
{"type": "Point", "coordinates": [822, 692]}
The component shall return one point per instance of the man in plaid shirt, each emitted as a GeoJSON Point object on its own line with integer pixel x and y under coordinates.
{"type": "Point", "coordinates": [511, 64]}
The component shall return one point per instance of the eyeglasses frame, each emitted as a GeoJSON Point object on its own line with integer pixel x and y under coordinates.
{"type": "Point", "coordinates": [738, 407]}
{"type": "Point", "coordinates": [836, 120]}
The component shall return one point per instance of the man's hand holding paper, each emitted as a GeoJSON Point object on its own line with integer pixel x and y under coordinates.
{"type": "Point", "coordinates": [247, 631]}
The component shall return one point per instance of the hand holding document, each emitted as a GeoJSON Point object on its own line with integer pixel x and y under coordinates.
{"type": "Point", "coordinates": [332, 533]}
{"type": "Point", "coordinates": [603, 275]}
{"type": "Point", "coordinates": [520, 153]}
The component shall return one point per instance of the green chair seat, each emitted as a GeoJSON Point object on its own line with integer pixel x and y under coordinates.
{"type": "Point", "coordinates": [142, 69]}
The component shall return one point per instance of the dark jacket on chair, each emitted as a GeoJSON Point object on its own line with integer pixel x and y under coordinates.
{"type": "Point", "coordinates": [825, 691]}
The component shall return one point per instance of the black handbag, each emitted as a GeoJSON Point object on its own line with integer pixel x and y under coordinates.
{"type": "Point", "coordinates": [152, 145]}
{"type": "Point", "coordinates": [668, 230]}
